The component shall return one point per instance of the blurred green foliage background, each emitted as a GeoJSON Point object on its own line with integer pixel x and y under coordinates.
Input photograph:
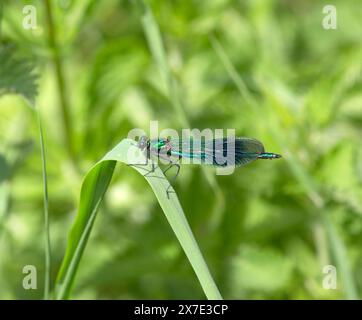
{"type": "Point", "coordinates": [264, 67]}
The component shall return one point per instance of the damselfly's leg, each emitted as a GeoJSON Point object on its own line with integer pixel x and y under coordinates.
{"type": "Point", "coordinates": [142, 166]}
{"type": "Point", "coordinates": [172, 164]}
{"type": "Point", "coordinates": [149, 172]}
{"type": "Point", "coordinates": [173, 178]}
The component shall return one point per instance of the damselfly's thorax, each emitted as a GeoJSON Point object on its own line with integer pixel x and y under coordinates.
{"type": "Point", "coordinates": [155, 147]}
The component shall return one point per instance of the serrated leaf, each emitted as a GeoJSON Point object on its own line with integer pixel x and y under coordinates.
{"type": "Point", "coordinates": [17, 76]}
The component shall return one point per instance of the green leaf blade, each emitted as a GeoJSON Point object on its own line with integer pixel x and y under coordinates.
{"type": "Point", "coordinates": [93, 189]}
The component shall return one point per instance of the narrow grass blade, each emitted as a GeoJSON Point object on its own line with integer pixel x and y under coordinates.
{"type": "Point", "coordinates": [58, 63]}
{"type": "Point", "coordinates": [1, 17]}
{"type": "Point", "coordinates": [24, 83]}
{"type": "Point", "coordinates": [155, 43]}
{"type": "Point", "coordinates": [157, 48]}
{"type": "Point", "coordinates": [4, 192]}
{"type": "Point", "coordinates": [93, 189]}
{"type": "Point", "coordinates": [46, 211]}
{"type": "Point", "coordinates": [340, 255]}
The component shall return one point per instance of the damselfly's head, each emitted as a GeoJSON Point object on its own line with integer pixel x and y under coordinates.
{"type": "Point", "coordinates": [143, 142]}
{"type": "Point", "coordinates": [269, 155]}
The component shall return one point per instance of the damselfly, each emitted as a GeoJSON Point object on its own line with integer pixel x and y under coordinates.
{"type": "Point", "coordinates": [221, 152]}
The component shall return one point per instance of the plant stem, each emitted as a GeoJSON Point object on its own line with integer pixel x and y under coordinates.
{"type": "Point", "coordinates": [57, 62]}
{"type": "Point", "coordinates": [46, 212]}
{"type": "Point", "coordinates": [1, 16]}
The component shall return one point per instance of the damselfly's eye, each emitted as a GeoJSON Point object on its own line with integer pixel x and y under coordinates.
{"type": "Point", "coordinates": [142, 142]}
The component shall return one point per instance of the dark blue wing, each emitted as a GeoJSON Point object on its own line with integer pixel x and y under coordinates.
{"type": "Point", "coordinates": [218, 152]}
